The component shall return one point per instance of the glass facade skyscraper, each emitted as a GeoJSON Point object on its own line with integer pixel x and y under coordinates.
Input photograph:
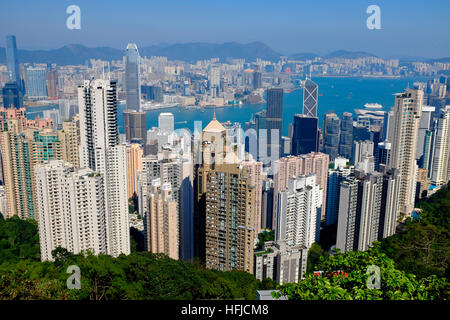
{"type": "Point", "coordinates": [12, 61]}
{"type": "Point", "coordinates": [332, 126]}
{"type": "Point", "coordinates": [150, 93]}
{"type": "Point", "coordinates": [37, 83]}
{"type": "Point", "coordinates": [135, 127]}
{"type": "Point", "coordinates": [310, 98]}
{"type": "Point", "coordinates": [274, 119]}
{"type": "Point", "coordinates": [260, 124]}
{"type": "Point", "coordinates": [132, 83]}
{"type": "Point", "coordinates": [305, 138]}
{"type": "Point", "coordinates": [12, 97]}
{"type": "Point", "coordinates": [346, 135]}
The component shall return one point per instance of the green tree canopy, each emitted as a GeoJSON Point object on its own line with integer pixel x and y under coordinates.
{"type": "Point", "coordinates": [394, 284]}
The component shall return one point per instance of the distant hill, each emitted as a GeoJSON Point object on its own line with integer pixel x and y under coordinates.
{"type": "Point", "coordinates": [190, 52]}
{"type": "Point", "coordinates": [304, 56]}
{"type": "Point", "coordinates": [69, 54]}
{"type": "Point", "coordinates": [444, 60]}
{"type": "Point", "coordinates": [348, 54]}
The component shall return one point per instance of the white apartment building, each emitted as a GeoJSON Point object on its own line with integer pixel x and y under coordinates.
{"type": "Point", "coordinates": [440, 170]}
{"type": "Point", "coordinates": [101, 152]}
{"type": "Point", "coordinates": [407, 113]}
{"type": "Point", "coordinates": [298, 211]}
{"type": "Point", "coordinates": [117, 219]}
{"type": "Point", "coordinates": [71, 209]}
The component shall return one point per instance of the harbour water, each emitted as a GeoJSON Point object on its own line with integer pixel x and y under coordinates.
{"type": "Point", "coordinates": [335, 94]}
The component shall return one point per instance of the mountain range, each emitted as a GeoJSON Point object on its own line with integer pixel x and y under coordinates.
{"type": "Point", "coordinates": [74, 54]}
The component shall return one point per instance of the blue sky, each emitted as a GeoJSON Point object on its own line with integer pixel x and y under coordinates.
{"type": "Point", "coordinates": [409, 28]}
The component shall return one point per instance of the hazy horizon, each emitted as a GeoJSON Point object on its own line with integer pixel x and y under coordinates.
{"type": "Point", "coordinates": [327, 52]}
{"type": "Point", "coordinates": [408, 28]}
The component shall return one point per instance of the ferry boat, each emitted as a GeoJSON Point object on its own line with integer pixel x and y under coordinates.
{"type": "Point", "coordinates": [158, 105]}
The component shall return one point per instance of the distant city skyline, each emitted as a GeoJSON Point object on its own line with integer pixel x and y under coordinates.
{"type": "Point", "coordinates": [286, 26]}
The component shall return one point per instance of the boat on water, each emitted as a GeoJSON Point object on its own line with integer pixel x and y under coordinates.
{"type": "Point", "coordinates": [158, 105]}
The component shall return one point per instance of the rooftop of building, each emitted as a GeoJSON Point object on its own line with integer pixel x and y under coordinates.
{"type": "Point", "coordinates": [214, 125]}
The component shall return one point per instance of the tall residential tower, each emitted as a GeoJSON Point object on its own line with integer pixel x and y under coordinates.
{"type": "Point", "coordinates": [100, 151]}
{"type": "Point", "coordinates": [407, 113]}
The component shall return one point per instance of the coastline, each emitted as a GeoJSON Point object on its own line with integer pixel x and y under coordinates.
{"type": "Point", "coordinates": [361, 76]}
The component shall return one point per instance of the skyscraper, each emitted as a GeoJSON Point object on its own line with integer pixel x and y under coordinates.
{"type": "Point", "coordinates": [171, 169]}
{"type": "Point", "coordinates": [69, 137]}
{"type": "Point", "coordinates": [281, 262]}
{"type": "Point", "coordinates": [214, 76]}
{"type": "Point", "coordinates": [230, 217]}
{"type": "Point", "coordinates": [166, 122]}
{"type": "Point", "coordinates": [257, 80]}
{"type": "Point", "coordinates": [296, 213]}
{"type": "Point", "coordinates": [384, 154]}
{"type": "Point", "coordinates": [292, 166]}
{"type": "Point", "coordinates": [18, 173]}
{"type": "Point", "coordinates": [152, 93]}
{"type": "Point", "coordinates": [23, 145]}
{"type": "Point", "coordinates": [98, 120]}
{"type": "Point", "coordinates": [361, 149]}
{"type": "Point", "coordinates": [45, 145]}
{"type": "Point", "coordinates": [274, 121]}
{"type": "Point", "coordinates": [71, 209]}
{"type": "Point", "coordinates": [12, 62]}
{"type": "Point", "coordinates": [426, 121]}
{"type": "Point", "coordinates": [101, 152]}
{"type": "Point", "coordinates": [36, 83]}
{"type": "Point", "coordinates": [212, 152]}
{"type": "Point", "coordinates": [261, 145]}
{"type": "Point", "coordinates": [388, 126]}
{"type": "Point", "coordinates": [425, 159]}
{"type": "Point", "coordinates": [12, 97]}
{"type": "Point", "coordinates": [255, 170]}
{"type": "Point", "coordinates": [52, 81]}
{"type": "Point", "coordinates": [116, 195]}
{"type": "Point", "coordinates": [134, 164]}
{"type": "Point", "coordinates": [132, 81]}
{"type": "Point", "coordinates": [267, 203]}
{"type": "Point", "coordinates": [367, 209]}
{"type": "Point", "coordinates": [214, 146]}
{"type": "Point", "coordinates": [407, 112]}
{"type": "Point", "coordinates": [440, 170]}
{"type": "Point", "coordinates": [305, 138]}
{"type": "Point", "coordinates": [346, 135]}
{"type": "Point", "coordinates": [161, 222]}
{"type": "Point", "coordinates": [332, 129]}
{"type": "Point", "coordinates": [134, 125]}
{"type": "Point", "coordinates": [336, 175]}
{"type": "Point", "coordinates": [310, 98]}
